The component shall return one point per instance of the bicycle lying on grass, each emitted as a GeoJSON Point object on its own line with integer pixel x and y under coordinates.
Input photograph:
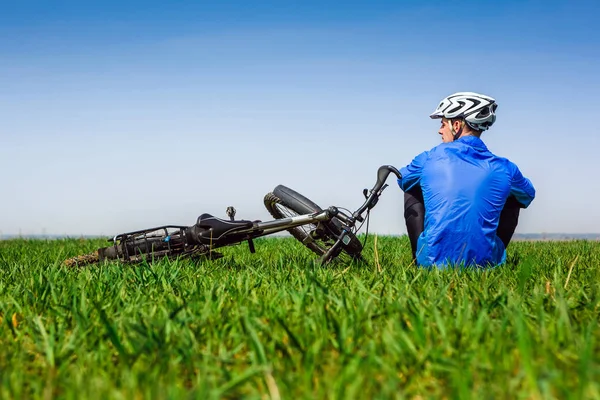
{"type": "Point", "coordinates": [329, 233]}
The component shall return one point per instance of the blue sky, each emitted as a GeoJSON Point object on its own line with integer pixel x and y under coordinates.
{"type": "Point", "coordinates": [123, 115]}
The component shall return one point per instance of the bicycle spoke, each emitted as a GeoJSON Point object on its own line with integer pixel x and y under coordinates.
{"type": "Point", "coordinates": [290, 213]}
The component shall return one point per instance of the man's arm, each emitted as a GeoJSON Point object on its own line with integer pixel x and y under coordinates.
{"type": "Point", "coordinates": [411, 174]}
{"type": "Point", "coordinates": [522, 188]}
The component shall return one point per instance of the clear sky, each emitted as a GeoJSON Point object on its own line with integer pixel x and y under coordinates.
{"type": "Point", "coordinates": [122, 115]}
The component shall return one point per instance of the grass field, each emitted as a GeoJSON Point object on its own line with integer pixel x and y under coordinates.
{"type": "Point", "coordinates": [274, 325]}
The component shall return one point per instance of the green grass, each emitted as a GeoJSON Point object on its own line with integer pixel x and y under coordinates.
{"type": "Point", "coordinates": [275, 325]}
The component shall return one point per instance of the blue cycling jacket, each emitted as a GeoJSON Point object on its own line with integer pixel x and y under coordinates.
{"type": "Point", "coordinates": [464, 189]}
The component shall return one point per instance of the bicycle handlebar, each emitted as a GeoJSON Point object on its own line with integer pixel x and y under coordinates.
{"type": "Point", "coordinates": [382, 174]}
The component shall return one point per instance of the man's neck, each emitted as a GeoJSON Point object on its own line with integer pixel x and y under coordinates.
{"type": "Point", "coordinates": [471, 133]}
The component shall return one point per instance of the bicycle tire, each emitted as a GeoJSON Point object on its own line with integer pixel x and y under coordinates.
{"type": "Point", "coordinates": [129, 252]}
{"type": "Point", "coordinates": [82, 260]}
{"type": "Point", "coordinates": [299, 205]}
{"type": "Point", "coordinates": [108, 253]}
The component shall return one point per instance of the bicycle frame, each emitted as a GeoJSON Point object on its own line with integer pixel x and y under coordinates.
{"type": "Point", "coordinates": [266, 228]}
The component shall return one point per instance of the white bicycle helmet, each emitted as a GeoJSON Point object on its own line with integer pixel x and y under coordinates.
{"type": "Point", "coordinates": [476, 109]}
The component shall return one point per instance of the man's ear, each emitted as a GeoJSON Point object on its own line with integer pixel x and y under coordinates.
{"type": "Point", "coordinates": [457, 124]}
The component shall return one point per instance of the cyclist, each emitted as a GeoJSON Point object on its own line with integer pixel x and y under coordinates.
{"type": "Point", "coordinates": [461, 202]}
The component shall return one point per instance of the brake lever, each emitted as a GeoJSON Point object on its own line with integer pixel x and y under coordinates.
{"type": "Point", "coordinates": [366, 191]}
{"type": "Point", "coordinates": [383, 187]}
{"type": "Point", "coordinates": [376, 198]}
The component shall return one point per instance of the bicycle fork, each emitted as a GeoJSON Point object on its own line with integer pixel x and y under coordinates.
{"type": "Point", "coordinates": [334, 251]}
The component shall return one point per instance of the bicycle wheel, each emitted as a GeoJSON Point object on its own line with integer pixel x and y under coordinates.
{"type": "Point", "coordinates": [138, 247]}
{"type": "Point", "coordinates": [284, 202]}
{"type": "Point", "coordinates": [128, 251]}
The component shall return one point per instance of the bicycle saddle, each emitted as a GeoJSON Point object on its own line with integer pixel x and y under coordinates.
{"type": "Point", "coordinates": [213, 228]}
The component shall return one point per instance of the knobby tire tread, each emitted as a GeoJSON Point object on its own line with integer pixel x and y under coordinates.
{"type": "Point", "coordinates": [82, 260]}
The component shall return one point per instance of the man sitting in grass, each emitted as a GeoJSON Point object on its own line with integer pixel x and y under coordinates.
{"type": "Point", "coordinates": [461, 202]}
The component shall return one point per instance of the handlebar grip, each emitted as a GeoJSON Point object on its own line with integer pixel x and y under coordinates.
{"type": "Point", "coordinates": [382, 174]}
